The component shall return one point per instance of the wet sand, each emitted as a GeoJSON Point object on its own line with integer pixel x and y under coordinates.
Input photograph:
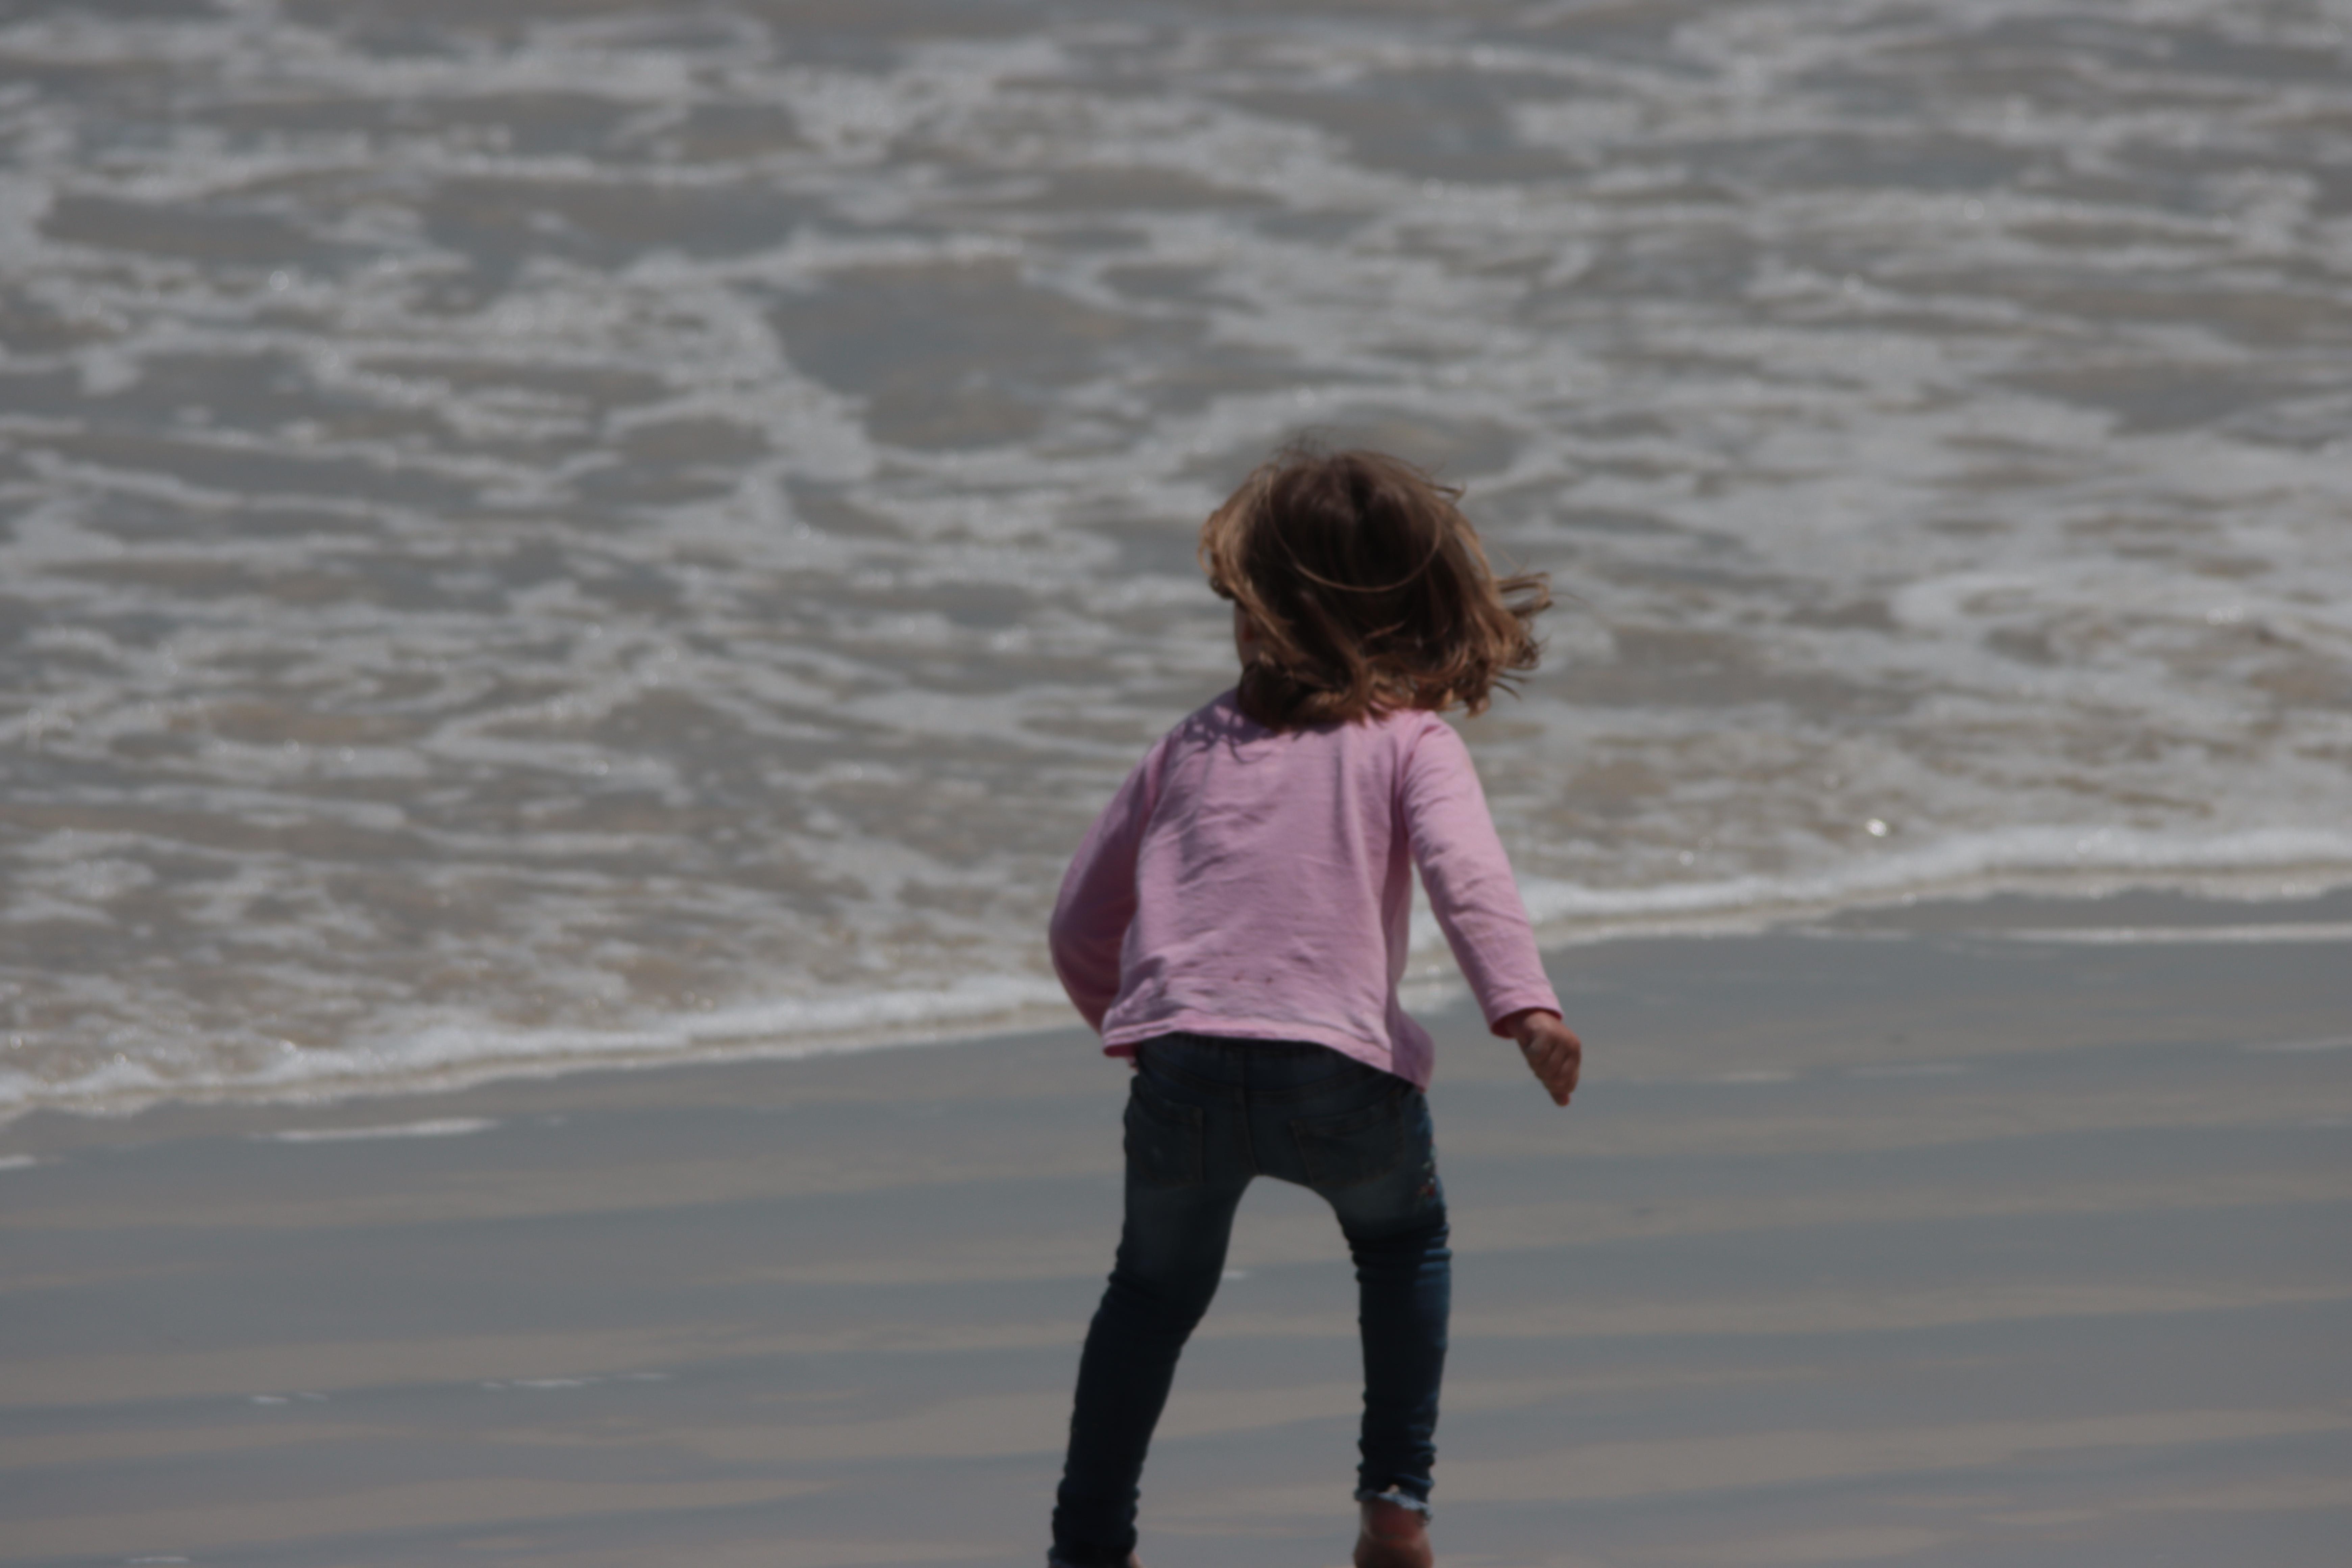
{"type": "Point", "coordinates": [1918, 1240]}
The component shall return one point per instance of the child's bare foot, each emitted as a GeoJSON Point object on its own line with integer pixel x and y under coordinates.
{"type": "Point", "coordinates": [1393, 1536]}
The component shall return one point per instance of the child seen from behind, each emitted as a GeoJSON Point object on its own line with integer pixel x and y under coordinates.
{"type": "Point", "coordinates": [1236, 923]}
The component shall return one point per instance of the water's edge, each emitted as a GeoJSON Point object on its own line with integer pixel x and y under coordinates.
{"type": "Point", "coordinates": [2284, 903]}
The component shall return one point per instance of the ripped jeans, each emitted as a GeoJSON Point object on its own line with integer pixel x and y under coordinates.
{"type": "Point", "coordinates": [1205, 1116]}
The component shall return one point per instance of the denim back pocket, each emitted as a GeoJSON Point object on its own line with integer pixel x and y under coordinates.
{"type": "Point", "coordinates": [1163, 1138]}
{"type": "Point", "coordinates": [1354, 1146]}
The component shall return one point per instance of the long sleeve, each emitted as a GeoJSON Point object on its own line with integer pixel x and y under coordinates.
{"type": "Point", "coordinates": [1471, 890]}
{"type": "Point", "coordinates": [1098, 896]}
{"type": "Point", "coordinates": [1255, 884]}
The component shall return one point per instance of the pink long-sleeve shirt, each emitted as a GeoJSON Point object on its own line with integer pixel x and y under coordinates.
{"type": "Point", "coordinates": [1257, 884]}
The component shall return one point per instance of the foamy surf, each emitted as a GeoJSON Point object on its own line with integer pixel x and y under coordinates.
{"type": "Point", "coordinates": [447, 1054]}
{"type": "Point", "coordinates": [441, 1127]}
{"type": "Point", "coordinates": [617, 542]}
{"type": "Point", "coordinates": [2249, 872]}
{"type": "Point", "coordinates": [2057, 860]}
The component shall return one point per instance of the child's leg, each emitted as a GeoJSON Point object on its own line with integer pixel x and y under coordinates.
{"type": "Point", "coordinates": [1396, 1227]}
{"type": "Point", "coordinates": [1172, 1254]}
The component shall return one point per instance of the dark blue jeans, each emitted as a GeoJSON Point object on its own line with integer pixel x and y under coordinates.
{"type": "Point", "coordinates": [1204, 1117]}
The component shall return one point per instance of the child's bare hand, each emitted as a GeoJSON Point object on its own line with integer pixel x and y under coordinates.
{"type": "Point", "coordinates": [1554, 1053]}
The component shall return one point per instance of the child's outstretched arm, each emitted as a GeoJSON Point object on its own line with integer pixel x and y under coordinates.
{"type": "Point", "coordinates": [1476, 903]}
{"type": "Point", "coordinates": [1553, 1052]}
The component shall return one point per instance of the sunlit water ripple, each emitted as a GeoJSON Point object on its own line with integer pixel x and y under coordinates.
{"type": "Point", "coordinates": [537, 529]}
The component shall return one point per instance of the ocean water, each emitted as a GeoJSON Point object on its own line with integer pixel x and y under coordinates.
{"type": "Point", "coordinates": [537, 530]}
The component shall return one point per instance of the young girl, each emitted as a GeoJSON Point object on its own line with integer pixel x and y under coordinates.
{"type": "Point", "coordinates": [1236, 923]}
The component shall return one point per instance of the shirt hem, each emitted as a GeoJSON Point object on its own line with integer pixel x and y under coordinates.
{"type": "Point", "coordinates": [1122, 1041]}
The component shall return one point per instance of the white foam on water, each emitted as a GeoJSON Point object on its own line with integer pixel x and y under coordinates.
{"type": "Point", "coordinates": [1970, 861]}
{"type": "Point", "coordinates": [447, 1055]}
{"type": "Point", "coordinates": [443, 1127]}
{"type": "Point", "coordinates": [637, 541]}
{"type": "Point", "coordinates": [2336, 932]}
{"type": "Point", "coordinates": [2299, 1047]}
{"type": "Point", "coordinates": [1910, 1069]}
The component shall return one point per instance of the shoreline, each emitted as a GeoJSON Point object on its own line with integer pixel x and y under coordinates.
{"type": "Point", "coordinates": [1873, 1246]}
{"type": "Point", "coordinates": [2204, 908]}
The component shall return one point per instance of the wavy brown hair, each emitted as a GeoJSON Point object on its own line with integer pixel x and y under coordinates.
{"type": "Point", "coordinates": [1369, 589]}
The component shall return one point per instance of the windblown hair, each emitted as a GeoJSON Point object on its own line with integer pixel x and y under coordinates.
{"type": "Point", "coordinates": [1369, 589]}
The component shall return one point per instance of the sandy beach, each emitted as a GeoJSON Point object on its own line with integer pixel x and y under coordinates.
{"type": "Point", "coordinates": [558, 555]}
{"type": "Point", "coordinates": [1997, 1233]}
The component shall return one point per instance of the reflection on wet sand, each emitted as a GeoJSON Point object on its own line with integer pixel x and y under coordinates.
{"type": "Point", "coordinates": [1945, 1246]}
